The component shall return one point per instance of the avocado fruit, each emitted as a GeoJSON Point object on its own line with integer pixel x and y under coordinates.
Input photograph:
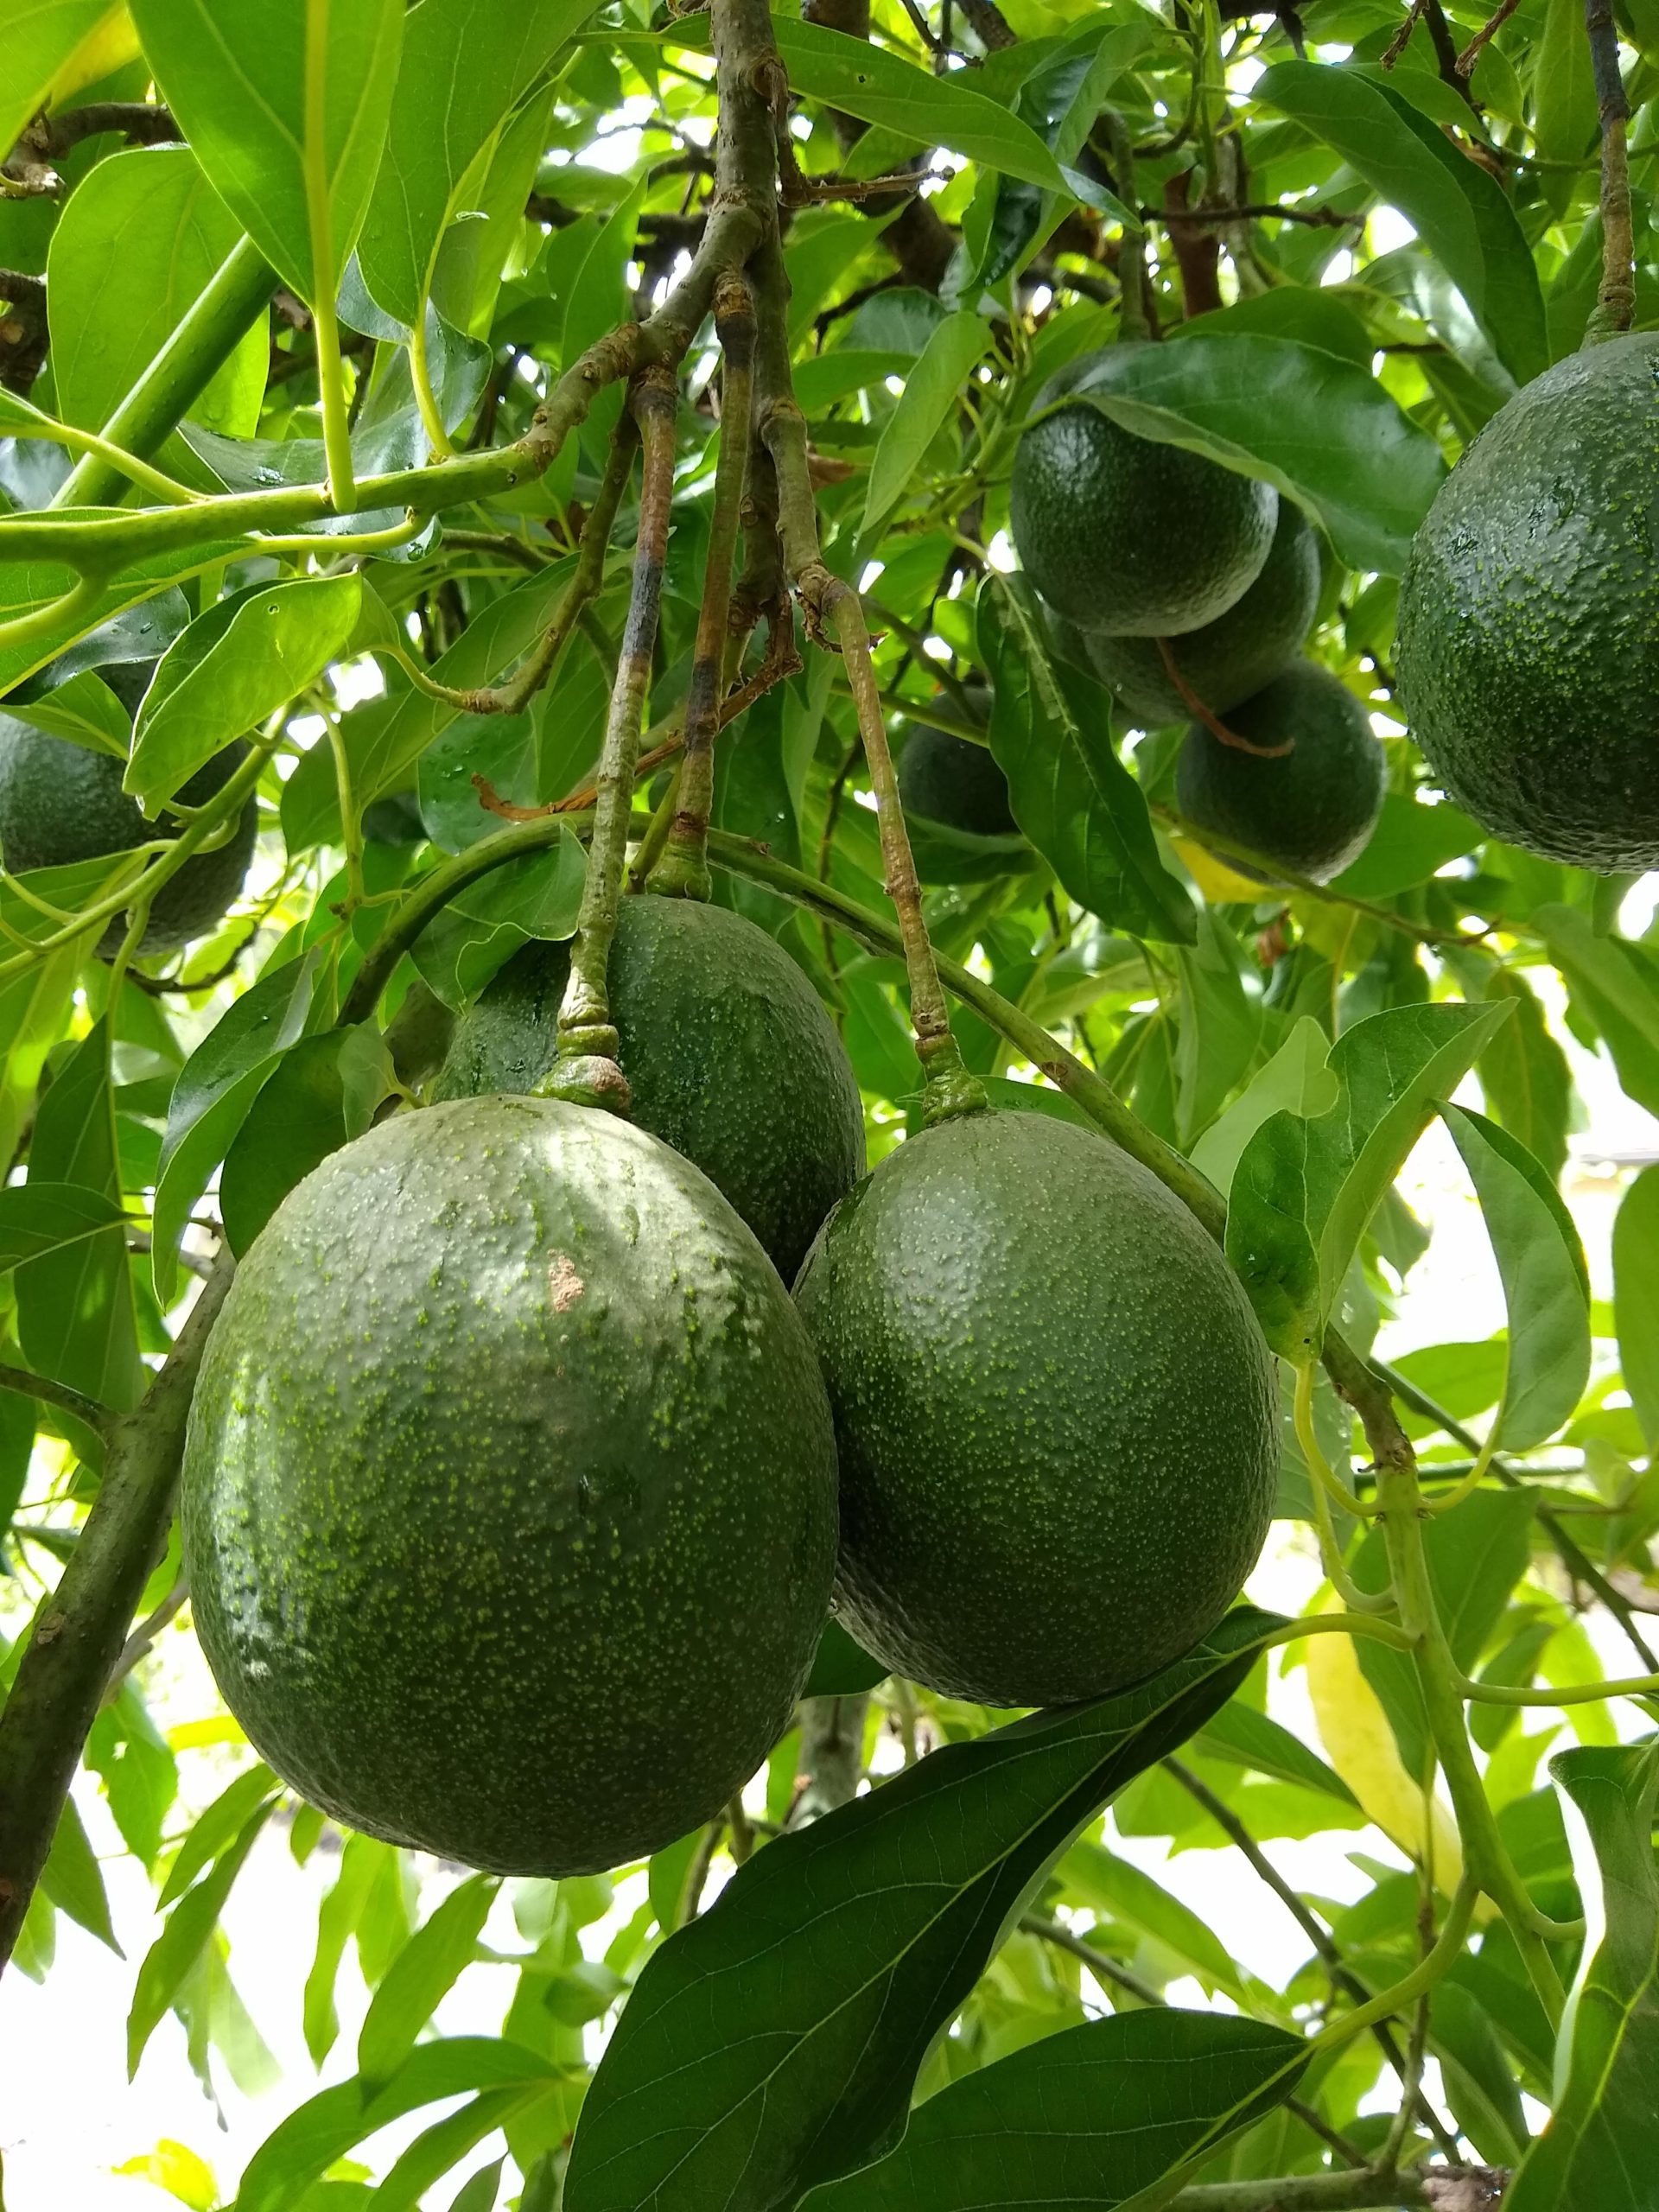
{"type": "Point", "coordinates": [1229, 659]}
{"type": "Point", "coordinates": [1055, 1412]}
{"type": "Point", "coordinates": [1528, 656]}
{"type": "Point", "coordinates": [729, 1055]}
{"type": "Point", "coordinates": [509, 1500]}
{"type": "Point", "coordinates": [1311, 809]}
{"type": "Point", "coordinates": [953, 780]}
{"type": "Point", "coordinates": [1122, 535]}
{"type": "Point", "coordinates": [60, 803]}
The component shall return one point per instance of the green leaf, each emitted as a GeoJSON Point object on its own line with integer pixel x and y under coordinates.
{"type": "Point", "coordinates": [216, 1087]}
{"type": "Point", "coordinates": [140, 1776]}
{"type": "Point", "coordinates": [38, 37]}
{"type": "Point", "coordinates": [815, 1984]}
{"type": "Point", "coordinates": [1303, 1190]}
{"type": "Point", "coordinates": [1563, 99]}
{"type": "Point", "coordinates": [1636, 1298]}
{"type": "Point", "coordinates": [1601, 2146]}
{"type": "Point", "coordinates": [1546, 1282]}
{"type": "Point", "coordinates": [337, 1919]}
{"type": "Point", "coordinates": [1461, 213]}
{"type": "Point", "coordinates": [234, 666]}
{"type": "Point", "coordinates": [1219, 1024]}
{"type": "Point", "coordinates": [439, 2147]}
{"type": "Point", "coordinates": [1480, 2084]}
{"type": "Point", "coordinates": [1296, 1080]}
{"type": "Point", "coordinates": [1409, 844]}
{"type": "Point", "coordinates": [1323, 430]}
{"type": "Point", "coordinates": [422, 1973]}
{"type": "Point", "coordinates": [1251, 1739]}
{"type": "Point", "coordinates": [1131, 1897]}
{"type": "Point", "coordinates": [234, 73]}
{"type": "Point", "coordinates": [932, 391]}
{"type": "Point", "coordinates": [327, 2126]}
{"type": "Point", "coordinates": [136, 246]}
{"type": "Point", "coordinates": [30, 587]}
{"type": "Point", "coordinates": [466, 66]}
{"type": "Point", "coordinates": [75, 1319]}
{"type": "Point", "coordinates": [868, 81]}
{"type": "Point", "coordinates": [538, 895]}
{"type": "Point", "coordinates": [1052, 736]}
{"type": "Point", "coordinates": [84, 711]}
{"type": "Point", "coordinates": [218, 1828]}
{"type": "Point", "coordinates": [842, 1667]}
{"type": "Point", "coordinates": [39, 1217]}
{"type": "Point", "coordinates": [1524, 1074]}
{"type": "Point", "coordinates": [74, 1880]}
{"type": "Point", "coordinates": [321, 1094]}
{"type": "Point", "coordinates": [1087, 2119]}
{"type": "Point", "coordinates": [1617, 983]}
{"type": "Point", "coordinates": [176, 1949]}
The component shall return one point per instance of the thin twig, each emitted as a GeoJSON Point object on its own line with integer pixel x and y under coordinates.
{"type": "Point", "coordinates": [1615, 307]}
{"type": "Point", "coordinates": [1212, 723]}
{"type": "Point", "coordinates": [1484, 37]}
{"type": "Point", "coordinates": [101, 1419]}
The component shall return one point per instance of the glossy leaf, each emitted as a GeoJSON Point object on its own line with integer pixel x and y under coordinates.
{"type": "Point", "coordinates": [1458, 211]}
{"type": "Point", "coordinates": [1051, 735]}
{"type": "Point", "coordinates": [1322, 429]}
{"type": "Point", "coordinates": [75, 1318]}
{"type": "Point", "coordinates": [1546, 1282]}
{"type": "Point", "coordinates": [813, 1986]}
{"type": "Point", "coordinates": [1636, 1298]}
{"type": "Point", "coordinates": [1409, 844]}
{"type": "Point", "coordinates": [422, 1973]}
{"type": "Point", "coordinates": [1088, 2118]}
{"type": "Point", "coordinates": [1564, 97]}
{"type": "Point", "coordinates": [133, 250]}
{"type": "Point", "coordinates": [1296, 1080]}
{"type": "Point", "coordinates": [1253, 1739]}
{"type": "Point", "coordinates": [1601, 2146]}
{"type": "Point", "coordinates": [325, 2127]}
{"type": "Point", "coordinates": [931, 390]}
{"type": "Point", "coordinates": [235, 73]}
{"type": "Point", "coordinates": [321, 1094]}
{"type": "Point", "coordinates": [842, 1667]}
{"type": "Point", "coordinates": [40, 1217]}
{"type": "Point", "coordinates": [41, 37]}
{"type": "Point", "coordinates": [1304, 1191]}
{"type": "Point", "coordinates": [83, 711]}
{"type": "Point", "coordinates": [466, 66]}
{"type": "Point", "coordinates": [216, 1087]}
{"type": "Point", "coordinates": [233, 666]}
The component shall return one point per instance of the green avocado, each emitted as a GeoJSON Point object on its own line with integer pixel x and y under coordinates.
{"type": "Point", "coordinates": [1123, 534]}
{"type": "Point", "coordinates": [60, 802]}
{"type": "Point", "coordinates": [730, 1056]}
{"type": "Point", "coordinates": [1236, 653]}
{"type": "Point", "coordinates": [1056, 1415]}
{"type": "Point", "coordinates": [509, 1491]}
{"type": "Point", "coordinates": [1529, 646]}
{"type": "Point", "coordinates": [1312, 809]}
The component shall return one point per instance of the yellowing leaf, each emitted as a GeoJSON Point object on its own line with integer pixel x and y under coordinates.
{"type": "Point", "coordinates": [201, 1735]}
{"type": "Point", "coordinates": [109, 46]}
{"type": "Point", "coordinates": [1359, 1744]}
{"type": "Point", "coordinates": [1221, 885]}
{"type": "Point", "coordinates": [176, 2168]}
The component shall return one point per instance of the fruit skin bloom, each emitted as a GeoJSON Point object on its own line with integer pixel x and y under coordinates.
{"type": "Point", "coordinates": [1056, 1412]}
{"type": "Point", "coordinates": [509, 1489]}
{"type": "Point", "coordinates": [1528, 649]}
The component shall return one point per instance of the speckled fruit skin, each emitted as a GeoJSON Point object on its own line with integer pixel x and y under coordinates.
{"type": "Point", "coordinates": [1312, 809]}
{"type": "Point", "coordinates": [60, 803]}
{"type": "Point", "coordinates": [1055, 1412]}
{"type": "Point", "coordinates": [730, 1056]}
{"type": "Point", "coordinates": [1236, 653]}
{"type": "Point", "coordinates": [509, 1491]}
{"type": "Point", "coordinates": [1529, 647]}
{"type": "Point", "coordinates": [1126, 535]}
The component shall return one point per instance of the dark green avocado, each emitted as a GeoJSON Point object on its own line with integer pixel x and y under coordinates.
{"type": "Point", "coordinates": [509, 1491]}
{"type": "Point", "coordinates": [1312, 809]}
{"type": "Point", "coordinates": [730, 1056]}
{"type": "Point", "coordinates": [1236, 653]}
{"type": "Point", "coordinates": [1123, 534]}
{"type": "Point", "coordinates": [1055, 1412]}
{"type": "Point", "coordinates": [61, 802]}
{"type": "Point", "coordinates": [1529, 647]}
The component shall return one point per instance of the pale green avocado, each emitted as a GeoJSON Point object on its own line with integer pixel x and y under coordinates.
{"type": "Point", "coordinates": [509, 1490]}
{"type": "Point", "coordinates": [1055, 1411]}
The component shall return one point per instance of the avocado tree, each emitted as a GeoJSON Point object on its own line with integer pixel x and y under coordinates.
{"type": "Point", "coordinates": [757, 772]}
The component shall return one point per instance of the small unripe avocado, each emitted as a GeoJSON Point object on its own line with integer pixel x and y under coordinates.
{"type": "Point", "coordinates": [729, 1055]}
{"type": "Point", "coordinates": [509, 1491]}
{"type": "Point", "coordinates": [1311, 809]}
{"type": "Point", "coordinates": [1236, 653]}
{"type": "Point", "coordinates": [61, 802]}
{"type": "Point", "coordinates": [1528, 649]}
{"type": "Point", "coordinates": [1123, 534]}
{"type": "Point", "coordinates": [1055, 1412]}
{"type": "Point", "coordinates": [950, 779]}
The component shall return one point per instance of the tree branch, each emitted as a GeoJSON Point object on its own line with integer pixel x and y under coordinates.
{"type": "Point", "coordinates": [101, 1419]}
{"type": "Point", "coordinates": [1615, 307]}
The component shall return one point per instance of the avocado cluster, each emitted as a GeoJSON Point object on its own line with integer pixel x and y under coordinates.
{"type": "Point", "coordinates": [61, 803]}
{"type": "Point", "coordinates": [1192, 589]}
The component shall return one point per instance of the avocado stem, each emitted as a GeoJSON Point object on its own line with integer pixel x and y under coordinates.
{"type": "Point", "coordinates": [1615, 308]}
{"type": "Point", "coordinates": [585, 1071]}
{"type": "Point", "coordinates": [682, 872]}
